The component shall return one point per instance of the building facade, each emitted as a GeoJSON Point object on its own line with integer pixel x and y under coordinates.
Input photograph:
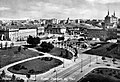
{"type": "Point", "coordinates": [118, 33]}
{"type": "Point", "coordinates": [40, 30]}
{"type": "Point", "coordinates": [23, 34]}
{"type": "Point", "coordinates": [110, 19]}
{"type": "Point", "coordinates": [97, 33]}
{"type": "Point", "coordinates": [17, 34]}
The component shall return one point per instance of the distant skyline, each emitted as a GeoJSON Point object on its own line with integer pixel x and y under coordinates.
{"type": "Point", "coordinates": [60, 9]}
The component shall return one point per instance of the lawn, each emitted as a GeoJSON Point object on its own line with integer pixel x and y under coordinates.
{"type": "Point", "coordinates": [102, 75]}
{"type": "Point", "coordinates": [35, 66]}
{"type": "Point", "coordinates": [109, 50]}
{"type": "Point", "coordinates": [60, 52]}
{"type": "Point", "coordinates": [11, 55]}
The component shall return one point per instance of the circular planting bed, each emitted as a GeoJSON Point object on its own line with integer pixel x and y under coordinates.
{"type": "Point", "coordinates": [35, 66]}
{"type": "Point", "coordinates": [102, 75]}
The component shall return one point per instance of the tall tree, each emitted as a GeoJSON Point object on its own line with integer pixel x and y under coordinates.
{"type": "Point", "coordinates": [13, 77]}
{"type": "Point", "coordinates": [28, 76]}
{"type": "Point", "coordinates": [33, 41]}
{"type": "Point", "coordinates": [6, 45]}
{"type": "Point", "coordinates": [19, 48]}
{"type": "Point", "coordinates": [3, 73]}
{"type": "Point", "coordinates": [1, 45]}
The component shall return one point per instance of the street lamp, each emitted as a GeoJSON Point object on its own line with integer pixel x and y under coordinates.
{"type": "Point", "coordinates": [96, 59]}
{"type": "Point", "coordinates": [57, 44]}
{"type": "Point", "coordinates": [90, 61]}
{"type": "Point", "coordinates": [63, 63]}
{"type": "Point", "coordinates": [56, 74]}
{"type": "Point", "coordinates": [63, 44]}
{"type": "Point", "coordinates": [61, 54]}
{"type": "Point", "coordinates": [35, 77]}
{"type": "Point", "coordinates": [81, 65]}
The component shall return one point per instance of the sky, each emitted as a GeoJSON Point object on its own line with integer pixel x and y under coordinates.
{"type": "Point", "coordinates": [60, 9]}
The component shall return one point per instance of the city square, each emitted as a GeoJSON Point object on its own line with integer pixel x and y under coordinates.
{"type": "Point", "coordinates": [59, 41]}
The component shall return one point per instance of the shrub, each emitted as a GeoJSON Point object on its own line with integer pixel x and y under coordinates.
{"type": "Point", "coordinates": [103, 57]}
{"type": "Point", "coordinates": [60, 38]}
{"type": "Point", "coordinates": [25, 48]}
{"type": "Point", "coordinates": [46, 47]}
{"type": "Point", "coordinates": [84, 46]}
{"type": "Point", "coordinates": [16, 67]}
{"type": "Point", "coordinates": [43, 49]}
{"type": "Point", "coordinates": [81, 39]}
{"type": "Point", "coordinates": [15, 52]}
{"type": "Point", "coordinates": [23, 67]}
{"type": "Point", "coordinates": [31, 71]}
{"type": "Point", "coordinates": [47, 58]}
{"type": "Point", "coordinates": [28, 76]}
{"type": "Point", "coordinates": [41, 54]}
{"type": "Point", "coordinates": [3, 74]}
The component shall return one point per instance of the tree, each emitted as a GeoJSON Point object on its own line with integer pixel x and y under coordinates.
{"type": "Point", "coordinates": [84, 46]}
{"type": "Point", "coordinates": [19, 48]}
{"type": "Point", "coordinates": [13, 77]}
{"type": "Point", "coordinates": [6, 45]}
{"type": "Point", "coordinates": [81, 39]}
{"type": "Point", "coordinates": [1, 45]}
{"type": "Point", "coordinates": [32, 71]}
{"type": "Point", "coordinates": [60, 38]}
{"type": "Point", "coordinates": [103, 58]}
{"type": "Point", "coordinates": [61, 54]}
{"type": "Point", "coordinates": [11, 45]}
{"type": "Point", "coordinates": [76, 52]}
{"type": "Point", "coordinates": [33, 41]}
{"type": "Point", "coordinates": [29, 40]}
{"type": "Point", "coordinates": [113, 60]}
{"type": "Point", "coordinates": [3, 73]}
{"type": "Point", "coordinates": [28, 76]}
{"type": "Point", "coordinates": [46, 46]}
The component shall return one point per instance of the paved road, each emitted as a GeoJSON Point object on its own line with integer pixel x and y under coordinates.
{"type": "Point", "coordinates": [70, 70]}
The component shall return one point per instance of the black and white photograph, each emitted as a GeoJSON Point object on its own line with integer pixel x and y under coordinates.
{"type": "Point", "coordinates": [59, 40]}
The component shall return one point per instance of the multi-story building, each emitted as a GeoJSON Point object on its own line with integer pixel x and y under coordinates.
{"type": "Point", "coordinates": [103, 34]}
{"type": "Point", "coordinates": [118, 33]}
{"type": "Point", "coordinates": [40, 30]}
{"type": "Point", "coordinates": [16, 34]}
{"type": "Point", "coordinates": [110, 19]}
{"type": "Point", "coordinates": [24, 33]}
{"type": "Point", "coordinates": [52, 29]}
{"type": "Point", "coordinates": [96, 33]}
